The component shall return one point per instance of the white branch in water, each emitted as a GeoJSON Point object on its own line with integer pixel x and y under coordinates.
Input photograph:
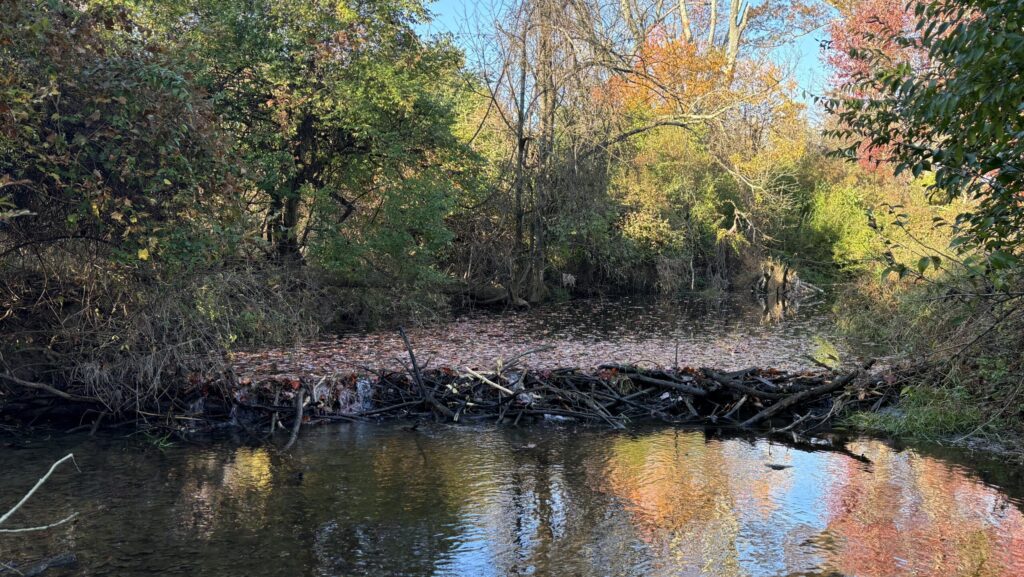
{"type": "Point", "coordinates": [42, 527]}
{"type": "Point", "coordinates": [39, 483]}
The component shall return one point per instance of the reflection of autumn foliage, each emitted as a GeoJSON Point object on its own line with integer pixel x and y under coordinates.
{"type": "Point", "coordinates": [690, 500]}
{"type": "Point", "coordinates": [909, 515]}
{"type": "Point", "coordinates": [246, 480]}
{"type": "Point", "coordinates": [677, 491]}
{"type": "Point", "coordinates": [698, 504]}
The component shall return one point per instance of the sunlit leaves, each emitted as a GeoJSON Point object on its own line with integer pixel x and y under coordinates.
{"type": "Point", "coordinates": [946, 99]}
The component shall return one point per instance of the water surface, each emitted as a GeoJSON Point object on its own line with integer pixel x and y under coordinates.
{"type": "Point", "coordinates": [730, 334]}
{"type": "Point", "coordinates": [445, 500]}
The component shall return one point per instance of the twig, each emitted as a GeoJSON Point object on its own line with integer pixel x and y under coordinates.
{"type": "Point", "coordinates": [731, 384]}
{"type": "Point", "coordinates": [426, 394]}
{"type": "Point", "coordinates": [512, 361]}
{"type": "Point", "coordinates": [273, 417]}
{"type": "Point", "coordinates": [489, 382]}
{"type": "Point", "coordinates": [41, 527]}
{"type": "Point", "coordinates": [299, 398]}
{"type": "Point", "coordinates": [736, 407]}
{"type": "Point", "coordinates": [690, 390]}
{"type": "Point", "coordinates": [43, 387]}
{"type": "Point", "coordinates": [39, 483]}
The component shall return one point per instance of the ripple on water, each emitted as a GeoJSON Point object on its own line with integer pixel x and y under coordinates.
{"type": "Point", "coordinates": [452, 501]}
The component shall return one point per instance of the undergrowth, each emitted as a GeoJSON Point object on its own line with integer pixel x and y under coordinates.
{"type": "Point", "coordinates": [959, 357]}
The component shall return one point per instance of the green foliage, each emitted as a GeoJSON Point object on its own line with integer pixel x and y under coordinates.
{"type": "Point", "coordinates": [958, 115]}
{"type": "Point", "coordinates": [837, 218]}
{"type": "Point", "coordinates": [344, 119]}
{"type": "Point", "coordinates": [826, 353]}
{"type": "Point", "coordinates": [926, 411]}
{"type": "Point", "coordinates": [101, 137]}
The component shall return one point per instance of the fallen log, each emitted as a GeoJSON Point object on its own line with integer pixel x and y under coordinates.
{"type": "Point", "coordinates": [796, 398]}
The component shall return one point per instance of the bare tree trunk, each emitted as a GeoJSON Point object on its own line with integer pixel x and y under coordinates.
{"type": "Point", "coordinates": [739, 12]}
{"type": "Point", "coordinates": [684, 22]}
{"type": "Point", "coordinates": [712, 22]}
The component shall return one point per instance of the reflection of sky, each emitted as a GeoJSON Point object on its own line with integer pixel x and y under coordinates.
{"type": "Point", "coordinates": [796, 516]}
{"type": "Point", "coordinates": [451, 501]}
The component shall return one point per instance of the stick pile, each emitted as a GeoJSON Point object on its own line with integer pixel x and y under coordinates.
{"type": "Point", "coordinates": [614, 395]}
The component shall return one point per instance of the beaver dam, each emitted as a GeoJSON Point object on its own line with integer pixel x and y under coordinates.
{"type": "Point", "coordinates": [631, 362]}
{"type": "Point", "coordinates": [614, 395]}
{"type": "Point", "coordinates": [468, 451]}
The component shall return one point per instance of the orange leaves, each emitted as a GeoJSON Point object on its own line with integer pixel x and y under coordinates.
{"type": "Point", "coordinates": [671, 76]}
{"type": "Point", "coordinates": [668, 73]}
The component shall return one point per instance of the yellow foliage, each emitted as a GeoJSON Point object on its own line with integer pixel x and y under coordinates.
{"type": "Point", "coordinates": [651, 230]}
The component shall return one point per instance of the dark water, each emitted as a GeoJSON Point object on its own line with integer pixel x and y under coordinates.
{"type": "Point", "coordinates": [551, 500]}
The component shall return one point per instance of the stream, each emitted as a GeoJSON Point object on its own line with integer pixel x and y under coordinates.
{"type": "Point", "coordinates": [447, 500]}
{"type": "Point", "coordinates": [554, 499]}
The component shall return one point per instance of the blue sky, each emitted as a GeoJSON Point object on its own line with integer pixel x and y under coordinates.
{"type": "Point", "coordinates": [450, 16]}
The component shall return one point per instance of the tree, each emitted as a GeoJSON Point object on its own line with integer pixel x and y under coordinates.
{"type": "Point", "coordinates": [875, 25]}
{"type": "Point", "coordinates": [343, 117]}
{"type": "Point", "coordinates": [869, 25]}
{"type": "Point", "coordinates": [959, 117]}
{"type": "Point", "coordinates": [102, 139]}
{"type": "Point", "coordinates": [576, 84]}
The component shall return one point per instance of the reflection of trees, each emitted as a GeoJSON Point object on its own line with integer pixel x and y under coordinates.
{"type": "Point", "coordinates": [381, 501]}
{"type": "Point", "coordinates": [911, 515]}
{"type": "Point", "coordinates": [666, 503]}
{"type": "Point", "coordinates": [679, 496]}
{"type": "Point", "coordinates": [234, 489]}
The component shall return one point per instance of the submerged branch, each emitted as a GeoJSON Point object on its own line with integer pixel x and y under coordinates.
{"type": "Point", "coordinates": [32, 491]}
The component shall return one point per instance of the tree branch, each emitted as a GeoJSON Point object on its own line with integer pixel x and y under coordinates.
{"type": "Point", "coordinates": [39, 483]}
{"type": "Point", "coordinates": [43, 387]}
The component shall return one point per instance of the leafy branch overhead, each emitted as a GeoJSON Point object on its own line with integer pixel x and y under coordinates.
{"type": "Point", "coordinates": [943, 97]}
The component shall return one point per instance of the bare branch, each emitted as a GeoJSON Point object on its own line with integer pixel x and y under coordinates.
{"type": "Point", "coordinates": [42, 387]}
{"type": "Point", "coordinates": [39, 483]}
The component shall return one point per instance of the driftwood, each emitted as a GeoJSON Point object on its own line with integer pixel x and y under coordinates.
{"type": "Point", "coordinates": [36, 568]}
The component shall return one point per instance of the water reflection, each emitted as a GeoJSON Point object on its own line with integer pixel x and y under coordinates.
{"type": "Point", "coordinates": [370, 500]}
